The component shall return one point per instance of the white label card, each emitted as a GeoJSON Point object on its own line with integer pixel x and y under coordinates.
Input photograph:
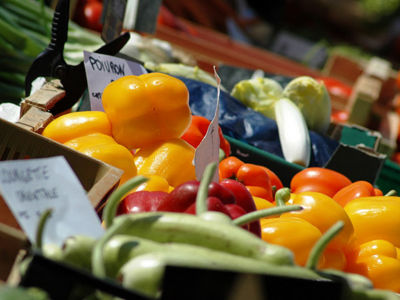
{"type": "Point", "coordinates": [29, 187]}
{"type": "Point", "coordinates": [101, 70]}
{"type": "Point", "coordinates": [208, 149]}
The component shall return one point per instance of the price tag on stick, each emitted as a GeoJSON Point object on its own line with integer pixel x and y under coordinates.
{"type": "Point", "coordinates": [30, 187]}
{"type": "Point", "coordinates": [102, 69]}
{"type": "Point", "coordinates": [208, 149]}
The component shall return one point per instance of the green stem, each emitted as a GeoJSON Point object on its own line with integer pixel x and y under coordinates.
{"type": "Point", "coordinates": [40, 229]}
{"type": "Point", "coordinates": [321, 244]}
{"type": "Point", "coordinates": [202, 193]}
{"type": "Point", "coordinates": [110, 209]}
{"type": "Point", "coordinates": [391, 193]}
{"type": "Point", "coordinates": [258, 214]}
{"type": "Point", "coordinates": [282, 196]}
{"type": "Point", "coordinates": [98, 267]}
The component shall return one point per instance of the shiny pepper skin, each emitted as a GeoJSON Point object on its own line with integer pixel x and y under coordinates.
{"type": "Point", "coordinates": [106, 149]}
{"type": "Point", "coordinates": [259, 180]}
{"type": "Point", "coordinates": [374, 218]}
{"type": "Point", "coordinates": [322, 211]}
{"type": "Point", "coordinates": [76, 124]}
{"type": "Point", "coordinates": [147, 109]}
{"type": "Point", "coordinates": [317, 179]}
{"type": "Point", "coordinates": [198, 129]}
{"type": "Point", "coordinates": [171, 160]}
{"type": "Point", "coordinates": [296, 234]}
{"type": "Point", "coordinates": [376, 260]}
{"type": "Point", "coordinates": [355, 190]}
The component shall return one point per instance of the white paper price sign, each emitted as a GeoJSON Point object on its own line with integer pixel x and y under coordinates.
{"type": "Point", "coordinates": [29, 187]}
{"type": "Point", "coordinates": [101, 70]}
{"type": "Point", "coordinates": [208, 149]}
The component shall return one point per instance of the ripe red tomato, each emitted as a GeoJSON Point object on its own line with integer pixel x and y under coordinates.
{"type": "Point", "coordinates": [92, 11]}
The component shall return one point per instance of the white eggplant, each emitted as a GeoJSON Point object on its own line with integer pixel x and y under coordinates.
{"type": "Point", "coordinates": [293, 132]}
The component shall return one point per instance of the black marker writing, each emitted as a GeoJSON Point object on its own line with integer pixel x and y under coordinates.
{"type": "Point", "coordinates": [24, 175]}
{"type": "Point", "coordinates": [37, 194]}
{"type": "Point", "coordinates": [96, 95]}
{"type": "Point", "coordinates": [106, 66]}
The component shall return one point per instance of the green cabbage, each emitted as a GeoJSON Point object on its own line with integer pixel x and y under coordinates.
{"type": "Point", "coordinates": [308, 94]}
{"type": "Point", "coordinates": [259, 94]}
{"type": "Point", "coordinates": [313, 100]}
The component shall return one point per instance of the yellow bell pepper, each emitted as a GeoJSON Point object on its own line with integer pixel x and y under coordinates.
{"type": "Point", "coordinates": [376, 217]}
{"type": "Point", "coordinates": [376, 260]}
{"type": "Point", "coordinates": [155, 183]}
{"type": "Point", "coordinates": [293, 233]}
{"type": "Point", "coordinates": [262, 203]}
{"type": "Point", "coordinates": [383, 271]}
{"type": "Point", "coordinates": [147, 109]}
{"type": "Point", "coordinates": [76, 124]}
{"type": "Point", "coordinates": [172, 160]}
{"type": "Point", "coordinates": [334, 259]}
{"type": "Point", "coordinates": [106, 149]}
{"type": "Point", "coordinates": [323, 212]}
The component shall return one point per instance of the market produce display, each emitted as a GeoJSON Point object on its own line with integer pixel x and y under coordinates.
{"type": "Point", "coordinates": [248, 195]}
{"type": "Point", "coordinates": [137, 247]}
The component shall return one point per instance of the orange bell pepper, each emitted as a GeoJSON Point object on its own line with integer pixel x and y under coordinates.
{"type": "Point", "coordinates": [317, 179]}
{"type": "Point", "coordinates": [147, 109]}
{"type": "Point", "coordinates": [296, 234]}
{"type": "Point", "coordinates": [376, 217]}
{"type": "Point", "coordinates": [198, 129]}
{"type": "Point", "coordinates": [323, 212]}
{"type": "Point", "coordinates": [228, 167]}
{"type": "Point", "coordinates": [355, 190]}
{"type": "Point", "coordinates": [255, 177]}
{"type": "Point", "coordinates": [76, 124]}
{"type": "Point", "coordinates": [106, 149]}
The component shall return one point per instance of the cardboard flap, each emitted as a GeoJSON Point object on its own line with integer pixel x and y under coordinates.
{"type": "Point", "coordinates": [356, 162]}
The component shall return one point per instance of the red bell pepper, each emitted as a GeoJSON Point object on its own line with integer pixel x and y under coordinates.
{"type": "Point", "coordinates": [244, 199]}
{"type": "Point", "coordinates": [198, 129]}
{"type": "Point", "coordinates": [141, 201]}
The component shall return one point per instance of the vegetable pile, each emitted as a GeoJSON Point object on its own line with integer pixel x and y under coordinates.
{"type": "Point", "coordinates": [323, 223]}
{"type": "Point", "coordinates": [137, 247]}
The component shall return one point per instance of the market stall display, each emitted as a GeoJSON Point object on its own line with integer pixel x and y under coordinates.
{"type": "Point", "coordinates": [138, 163]}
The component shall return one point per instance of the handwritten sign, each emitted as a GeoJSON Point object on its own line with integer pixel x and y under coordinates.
{"type": "Point", "coordinates": [101, 70]}
{"type": "Point", "coordinates": [29, 187]}
{"type": "Point", "coordinates": [208, 149]}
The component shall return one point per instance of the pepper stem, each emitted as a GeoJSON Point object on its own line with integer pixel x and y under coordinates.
{"type": "Point", "coordinates": [40, 229]}
{"type": "Point", "coordinates": [258, 214]}
{"type": "Point", "coordinates": [321, 244]}
{"type": "Point", "coordinates": [110, 209]}
{"type": "Point", "coordinates": [202, 193]}
{"type": "Point", "coordinates": [282, 196]}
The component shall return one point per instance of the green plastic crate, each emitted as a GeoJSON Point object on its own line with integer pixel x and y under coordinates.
{"type": "Point", "coordinates": [387, 179]}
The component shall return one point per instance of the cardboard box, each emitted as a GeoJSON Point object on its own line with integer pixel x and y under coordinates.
{"type": "Point", "coordinates": [96, 177]}
{"type": "Point", "coordinates": [12, 242]}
